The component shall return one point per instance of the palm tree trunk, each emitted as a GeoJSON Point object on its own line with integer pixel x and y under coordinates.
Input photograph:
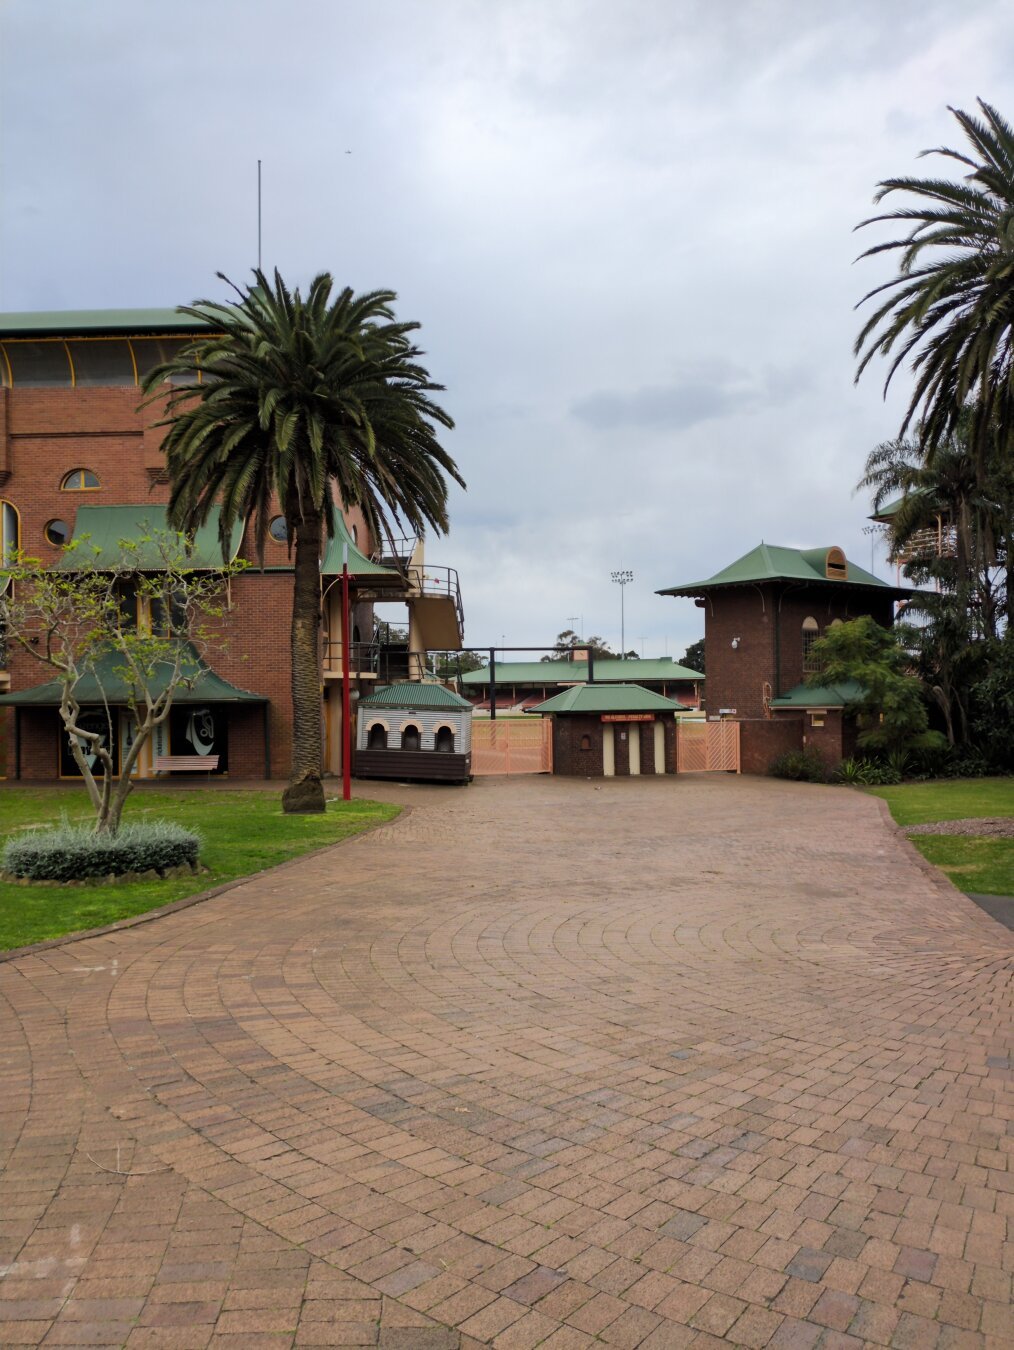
{"type": "Point", "coordinates": [305, 792]}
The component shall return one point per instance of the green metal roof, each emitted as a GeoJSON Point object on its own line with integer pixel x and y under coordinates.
{"type": "Point", "coordinates": [653, 670]}
{"type": "Point", "coordinates": [359, 564]}
{"type": "Point", "coordinates": [107, 527]}
{"type": "Point", "coordinates": [96, 323]}
{"type": "Point", "coordinates": [771, 562]}
{"type": "Point", "coordinates": [414, 694]}
{"type": "Point", "coordinates": [610, 698]}
{"type": "Point", "coordinates": [105, 682]}
{"type": "Point", "coordinates": [820, 696]}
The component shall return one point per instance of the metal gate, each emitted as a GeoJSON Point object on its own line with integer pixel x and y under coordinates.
{"type": "Point", "coordinates": [509, 746]}
{"type": "Point", "coordinates": [707, 746]}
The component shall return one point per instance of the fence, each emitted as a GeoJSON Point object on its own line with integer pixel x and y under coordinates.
{"type": "Point", "coordinates": [508, 746]}
{"type": "Point", "coordinates": [703, 747]}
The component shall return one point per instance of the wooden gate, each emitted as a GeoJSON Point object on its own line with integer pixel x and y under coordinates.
{"type": "Point", "coordinates": [703, 747]}
{"type": "Point", "coordinates": [510, 746]}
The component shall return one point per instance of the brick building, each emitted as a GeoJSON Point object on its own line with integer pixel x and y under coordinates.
{"type": "Point", "coordinates": [521, 685]}
{"type": "Point", "coordinates": [79, 456]}
{"type": "Point", "coordinates": [762, 615]}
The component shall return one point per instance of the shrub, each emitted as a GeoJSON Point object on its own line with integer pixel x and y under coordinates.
{"type": "Point", "coordinates": [802, 766]}
{"type": "Point", "coordinates": [72, 853]}
{"type": "Point", "coordinates": [853, 771]}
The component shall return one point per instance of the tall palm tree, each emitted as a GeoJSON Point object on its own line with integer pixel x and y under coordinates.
{"type": "Point", "coordinates": [951, 306]}
{"type": "Point", "coordinates": [307, 401]}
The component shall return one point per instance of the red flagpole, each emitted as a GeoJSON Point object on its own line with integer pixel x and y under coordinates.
{"type": "Point", "coordinates": [346, 698]}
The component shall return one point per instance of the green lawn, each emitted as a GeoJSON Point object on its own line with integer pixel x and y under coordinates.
{"type": "Point", "coordinates": [973, 863]}
{"type": "Point", "coordinates": [243, 832]}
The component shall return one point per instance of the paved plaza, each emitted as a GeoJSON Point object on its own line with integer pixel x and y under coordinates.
{"type": "Point", "coordinates": [546, 1062]}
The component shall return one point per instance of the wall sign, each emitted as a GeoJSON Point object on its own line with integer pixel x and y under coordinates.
{"type": "Point", "coordinates": [627, 717]}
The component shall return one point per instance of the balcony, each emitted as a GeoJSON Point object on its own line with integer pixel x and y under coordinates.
{"type": "Point", "coordinates": [383, 662]}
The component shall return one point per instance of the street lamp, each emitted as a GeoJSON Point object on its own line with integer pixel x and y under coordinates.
{"type": "Point", "coordinates": [621, 579]}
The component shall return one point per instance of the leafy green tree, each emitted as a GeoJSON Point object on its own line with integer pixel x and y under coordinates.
{"type": "Point", "coordinates": [950, 309]}
{"type": "Point", "coordinates": [307, 401]}
{"type": "Point", "coordinates": [568, 642]}
{"type": "Point", "coordinates": [693, 657]}
{"type": "Point", "coordinates": [891, 711]}
{"type": "Point", "coordinates": [72, 620]}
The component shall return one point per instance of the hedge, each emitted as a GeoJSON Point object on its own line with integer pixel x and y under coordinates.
{"type": "Point", "coordinates": [72, 853]}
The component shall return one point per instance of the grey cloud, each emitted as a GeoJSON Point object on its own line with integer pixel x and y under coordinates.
{"type": "Point", "coordinates": [705, 395]}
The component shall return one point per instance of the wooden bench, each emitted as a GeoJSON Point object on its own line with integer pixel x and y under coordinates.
{"type": "Point", "coordinates": [186, 764]}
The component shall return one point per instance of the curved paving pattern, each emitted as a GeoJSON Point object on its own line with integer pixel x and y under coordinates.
{"type": "Point", "coordinates": [548, 1063]}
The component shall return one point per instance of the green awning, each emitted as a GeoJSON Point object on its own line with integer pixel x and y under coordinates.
{"type": "Point", "coordinates": [359, 564]}
{"type": "Point", "coordinates": [105, 682]}
{"type": "Point", "coordinates": [608, 698]}
{"type": "Point", "coordinates": [820, 696]}
{"type": "Point", "coordinates": [108, 527]}
{"type": "Point", "coordinates": [97, 322]}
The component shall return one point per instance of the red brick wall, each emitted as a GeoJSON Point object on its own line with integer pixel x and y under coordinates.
{"type": "Point", "coordinates": [44, 433]}
{"type": "Point", "coordinates": [762, 740]}
{"type": "Point", "coordinates": [570, 759]}
{"type": "Point", "coordinates": [827, 739]}
{"type": "Point", "coordinates": [756, 616]}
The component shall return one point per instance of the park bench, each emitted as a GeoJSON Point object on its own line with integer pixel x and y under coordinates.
{"type": "Point", "coordinates": [186, 764]}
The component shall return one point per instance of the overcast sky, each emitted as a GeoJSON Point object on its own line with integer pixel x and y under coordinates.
{"type": "Point", "coordinates": [626, 229]}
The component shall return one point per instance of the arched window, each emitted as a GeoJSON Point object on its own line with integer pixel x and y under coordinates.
{"type": "Point", "coordinates": [377, 737]}
{"type": "Point", "coordinates": [585, 743]}
{"type": "Point", "coordinates": [411, 738]}
{"type": "Point", "coordinates": [811, 632]}
{"type": "Point", "coordinates": [10, 535]}
{"type": "Point", "coordinates": [444, 741]}
{"type": "Point", "coordinates": [836, 568]}
{"type": "Point", "coordinates": [355, 534]}
{"type": "Point", "coordinates": [80, 480]}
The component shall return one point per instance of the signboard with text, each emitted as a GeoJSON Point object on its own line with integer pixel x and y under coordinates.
{"type": "Point", "coordinates": [627, 717]}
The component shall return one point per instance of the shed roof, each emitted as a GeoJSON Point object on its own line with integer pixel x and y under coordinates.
{"type": "Point", "coordinates": [771, 562]}
{"type": "Point", "coordinates": [96, 323]}
{"type": "Point", "coordinates": [108, 527]}
{"type": "Point", "coordinates": [414, 694]}
{"type": "Point", "coordinates": [106, 682]}
{"type": "Point", "coordinates": [820, 696]}
{"type": "Point", "coordinates": [607, 698]}
{"type": "Point", "coordinates": [654, 670]}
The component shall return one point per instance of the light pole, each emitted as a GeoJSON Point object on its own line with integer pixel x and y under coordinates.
{"type": "Point", "coordinates": [621, 579]}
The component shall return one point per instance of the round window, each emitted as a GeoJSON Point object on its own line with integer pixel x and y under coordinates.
{"type": "Point", "coordinates": [57, 532]}
{"type": "Point", "coordinates": [278, 530]}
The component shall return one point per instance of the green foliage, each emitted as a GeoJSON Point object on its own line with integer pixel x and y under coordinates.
{"type": "Point", "coordinates": [303, 401]}
{"type": "Point", "coordinates": [852, 771]}
{"type": "Point", "coordinates": [948, 309]}
{"type": "Point", "coordinates": [992, 706]}
{"type": "Point", "coordinates": [568, 642]}
{"type": "Point", "coordinates": [70, 853]}
{"type": "Point", "coordinates": [693, 657]}
{"type": "Point", "coordinates": [891, 713]}
{"type": "Point", "coordinates": [72, 620]}
{"type": "Point", "coordinates": [302, 395]}
{"type": "Point", "coordinates": [801, 766]}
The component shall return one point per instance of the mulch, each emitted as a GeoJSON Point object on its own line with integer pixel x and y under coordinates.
{"type": "Point", "coordinates": [993, 827]}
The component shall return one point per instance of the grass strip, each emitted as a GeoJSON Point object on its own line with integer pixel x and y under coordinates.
{"type": "Point", "coordinates": [982, 865]}
{"type": "Point", "coordinates": [243, 832]}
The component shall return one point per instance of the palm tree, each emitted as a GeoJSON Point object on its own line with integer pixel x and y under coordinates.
{"type": "Point", "coordinates": [951, 306]}
{"type": "Point", "coordinates": [308, 402]}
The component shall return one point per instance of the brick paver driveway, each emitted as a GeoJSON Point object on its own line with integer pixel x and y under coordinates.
{"type": "Point", "coordinates": [643, 1063]}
